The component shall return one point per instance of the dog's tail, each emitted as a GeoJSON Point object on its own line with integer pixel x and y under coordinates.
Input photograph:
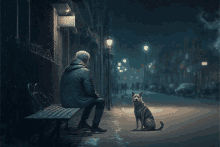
{"type": "Point", "coordinates": [161, 127]}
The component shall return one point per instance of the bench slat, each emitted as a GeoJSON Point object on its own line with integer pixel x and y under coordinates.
{"type": "Point", "coordinates": [72, 113]}
{"type": "Point", "coordinates": [58, 112]}
{"type": "Point", "coordinates": [42, 113]}
{"type": "Point", "coordinates": [54, 112]}
{"type": "Point", "coordinates": [51, 107]}
{"type": "Point", "coordinates": [66, 113]}
{"type": "Point", "coordinates": [50, 112]}
{"type": "Point", "coordinates": [47, 112]}
{"type": "Point", "coordinates": [36, 114]}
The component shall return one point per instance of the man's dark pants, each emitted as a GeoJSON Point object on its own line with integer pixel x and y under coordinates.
{"type": "Point", "coordinates": [100, 105]}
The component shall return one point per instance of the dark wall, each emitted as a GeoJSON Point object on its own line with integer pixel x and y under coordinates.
{"type": "Point", "coordinates": [20, 68]}
{"type": "Point", "coordinates": [19, 65]}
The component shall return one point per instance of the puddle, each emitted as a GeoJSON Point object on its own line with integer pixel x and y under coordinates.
{"type": "Point", "coordinates": [92, 141]}
{"type": "Point", "coordinates": [116, 136]}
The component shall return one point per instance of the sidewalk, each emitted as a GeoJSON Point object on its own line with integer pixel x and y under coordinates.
{"type": "Point", "coordinates": [181, 128]}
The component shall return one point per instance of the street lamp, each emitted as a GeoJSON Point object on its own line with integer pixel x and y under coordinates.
{"type": "Point", "coordinates": [146, 48]}
{"type": "Point", "coordinates": [109, 43]}
{"type": "Point", "coordinates": [124, 60]}
{"type": "Point", "coordinates": [204, 63]}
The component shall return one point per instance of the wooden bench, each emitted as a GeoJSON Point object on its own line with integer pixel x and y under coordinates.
{"type": "Point", "coordinates": [46, 111]}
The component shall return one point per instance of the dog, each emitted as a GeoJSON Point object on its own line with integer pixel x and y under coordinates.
{"type": "Point", "coordinates": [143, 114]}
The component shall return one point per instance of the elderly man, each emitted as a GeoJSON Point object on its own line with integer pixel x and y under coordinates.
{"type": "Point", "coordinates": [77, 91]}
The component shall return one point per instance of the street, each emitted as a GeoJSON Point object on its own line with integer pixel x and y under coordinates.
{"type": "Point", "coordinates": [66, 52]}
{"type": "Point", "coordinates": [188, 122]}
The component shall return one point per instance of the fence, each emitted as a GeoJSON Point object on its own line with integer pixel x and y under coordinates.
{"type": "Point", "coordinates": [21, 66]}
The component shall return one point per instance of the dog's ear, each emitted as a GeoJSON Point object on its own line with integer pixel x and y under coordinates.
{"type": "Point", "coordinates": [133, 93]}
{"type": "Point", "coordinates": [141, 94]}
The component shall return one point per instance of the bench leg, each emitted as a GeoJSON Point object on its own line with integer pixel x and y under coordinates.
{"type": "Point", "coordinates": [66, 126]}
{"type": "Point", "coordinates": [58, 129]}
{"type": "Point", "coordinates": [41, 136]}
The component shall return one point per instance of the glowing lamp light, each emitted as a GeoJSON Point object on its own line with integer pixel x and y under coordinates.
{"type": "Point", "coordinates": [205, 63]}
{"type": "Point", "coordinates": [118, 67]}
{"type": "Point", "coordinates": [119, 64]}
{"type": "Point", "coordinates": [109, 42]}
{"type": "Point", "coordinates": [121, 70]}
{"type": "Point", "coordinates": [125, 69]}
{"type": "Point", "coordinates": [149, 66]}
{"type": "Point", "coordinates": [124, 60]}
{"type": "Point", "coordinates": [145, 48]}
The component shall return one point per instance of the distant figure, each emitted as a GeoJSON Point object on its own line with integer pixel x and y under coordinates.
{"type": "Point", "coordinates": [77, 91]}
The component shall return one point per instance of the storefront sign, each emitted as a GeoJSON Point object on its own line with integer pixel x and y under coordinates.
{"type": "Point", "coordinates": [66, 21]}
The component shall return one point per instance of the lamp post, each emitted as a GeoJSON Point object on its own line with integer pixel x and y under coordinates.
{"type": "Point", "coordinates": [109, 43]}
{"type": "Point", "coordinates": [204, 63]}
{"type": "Point", "coordinates": [146, 50]}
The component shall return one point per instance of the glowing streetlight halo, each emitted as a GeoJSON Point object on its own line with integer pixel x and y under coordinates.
{"type": "Point", "coordinates": [109, 42]}
{"type": "Point", "coordinates": [204, 63]}
{"type": "Point", "coordinates": [146, 48]}
{"type": "Point", "coordinates": [124, 60]}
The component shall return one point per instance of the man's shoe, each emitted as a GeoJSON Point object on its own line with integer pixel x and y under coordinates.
{"type": "Point", "coordinates": [97, 129]}
{"type": "Point", "coordinates": [81, 126]}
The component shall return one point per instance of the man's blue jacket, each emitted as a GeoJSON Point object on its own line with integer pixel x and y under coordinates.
{"type": "Point", "coordinates": [76, 86]}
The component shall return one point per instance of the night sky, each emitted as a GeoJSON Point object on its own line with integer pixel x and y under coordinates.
{"type": "Point", "coordinates": [156, 23]}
